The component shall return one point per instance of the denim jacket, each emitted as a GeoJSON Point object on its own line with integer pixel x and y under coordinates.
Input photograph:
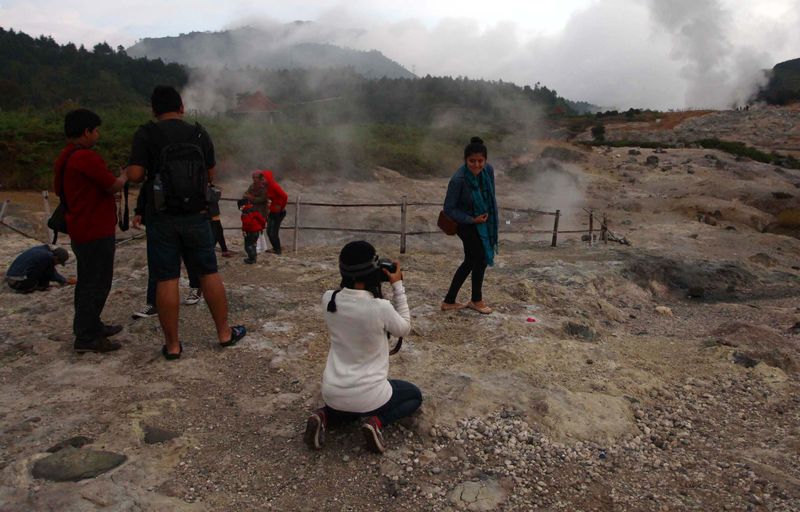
{"type": "Point", "coordinates": [458, 204]}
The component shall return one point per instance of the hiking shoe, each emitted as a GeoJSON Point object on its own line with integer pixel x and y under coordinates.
{"type": "Point", "coordinates": [315, 430]}
{"type": "Point", "coordinates": [373, 435]}
{"type": "Point", "coordinates": [146, 312]}
{"type": "Point", "coordinates": [194, 296]}
{"type": "Point", "coordinates": [249, 261]}
{"type": "Point", "coordinates": [227, 254]}
{"type": "Point", "coordinates": [101, 344]}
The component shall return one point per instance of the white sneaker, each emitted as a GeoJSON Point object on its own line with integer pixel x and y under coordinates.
{"type": "Point", "coordinates": [146, 312]}
{"type": "Point", "coordinates": [194, 296]}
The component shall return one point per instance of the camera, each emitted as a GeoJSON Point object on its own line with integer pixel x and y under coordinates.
{"type": "Point", "coordinates": [386, 263]}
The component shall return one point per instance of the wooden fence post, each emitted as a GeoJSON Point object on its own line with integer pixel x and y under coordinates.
{"type": "Point", "coordinates": [3, 210]}
{"type": "Point", "coordinates": [403, 212]}
{"type": "Point", "coordinates": [555, 229]}
{"type": "Point", "coordinates": [46, 199]}
{"type": "Point", "coordinates": [604, 230]}
{"type": "Point", "coordinates": [296, 223]}
{"type": "Point", "coordinates": [591, 228]}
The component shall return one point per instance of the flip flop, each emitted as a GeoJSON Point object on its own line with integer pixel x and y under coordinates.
{"type": "Point", "coordinates": [237, 332]}
{"type": "Point", "coordinates": [171, 357]}
{"type": "Point", "coordinates": [484, 310]}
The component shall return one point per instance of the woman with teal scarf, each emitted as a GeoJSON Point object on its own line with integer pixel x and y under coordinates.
{"type": "Point", "coordinates": [471, 202]}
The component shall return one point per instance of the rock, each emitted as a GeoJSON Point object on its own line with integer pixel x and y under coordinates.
{"type": "Point", "coordinates": [744, 360]}
{"type": "Point", "coordinates": [154, 435]}
{"type": "Point", "coordinates": [634, 152]}
{"type": "Point", "coordinates": [581, 331]}
{"type": "Point", "coordinates": [484, 495]}
{"type": "Point", "coordinates": [71, 465]}
{"type": "Point", "coordinates": [652, 161]}
{"type": "Point", "coordinates": [74, 442]}
{"type": "Point", "coordinates": [664, 310]}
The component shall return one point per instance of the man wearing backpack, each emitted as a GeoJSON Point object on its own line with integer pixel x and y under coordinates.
{"type": "Point", "coordinates": [176, 161]}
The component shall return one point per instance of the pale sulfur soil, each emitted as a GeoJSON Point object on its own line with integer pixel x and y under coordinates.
{"type": "Point", "coordinates": [638, 406]}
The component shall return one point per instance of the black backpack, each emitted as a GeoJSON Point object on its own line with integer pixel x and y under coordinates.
{"type": "Point", "coordinates": [180, 180]}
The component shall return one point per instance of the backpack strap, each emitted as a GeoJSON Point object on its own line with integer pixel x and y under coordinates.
{"type": "Point", "coordinates": [62, 197]}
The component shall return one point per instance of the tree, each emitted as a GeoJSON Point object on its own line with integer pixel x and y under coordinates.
{"type": "Point", "coordinates": [599, 132]}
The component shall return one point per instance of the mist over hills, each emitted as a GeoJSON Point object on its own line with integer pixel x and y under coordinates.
{"type": "Point", "coordinates": [286, 47]}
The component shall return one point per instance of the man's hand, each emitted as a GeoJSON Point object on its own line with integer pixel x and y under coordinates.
{"type": "Point", "coordinates": [395, 276]}
{"type": "Point", "coordinates": [71, 281]}
{"type": "Point", "coordinates": [480, 219]}
{"type": "Point", "coordinates": [136, 222]}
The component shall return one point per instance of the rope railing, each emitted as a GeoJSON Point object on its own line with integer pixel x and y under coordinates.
{"type": "Point", "coordinates": [403, 232]}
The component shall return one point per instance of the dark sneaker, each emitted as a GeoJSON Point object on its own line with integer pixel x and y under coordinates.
{"type": "Point", "coordinates": [227, 254]}
{"type": "Point", "coordinates": [148, 311]}
{"type": "Point", "coordinates": [315, 430]}
{"type": "Point", "coordinates": [111, 330]}
{"type": "Point", "coordinates": [249, 261]}
{"type": "Point", "coordinates": [194, 296]}
{"type": "Point", "coordinates": [373, 435]}
{"type": "Point", "coordinates": [96, 345]}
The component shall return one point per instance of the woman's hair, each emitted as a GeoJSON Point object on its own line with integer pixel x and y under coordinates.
{"type": "Point", "coordinates": [356, 253]}
{"type": "Point", "coordinates": [475, 146]}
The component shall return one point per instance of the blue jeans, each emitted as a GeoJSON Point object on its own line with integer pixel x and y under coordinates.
{"type": "Point", "coordinates": [406, 398]}
{"type": "Point", "coordinates": [171, 238]}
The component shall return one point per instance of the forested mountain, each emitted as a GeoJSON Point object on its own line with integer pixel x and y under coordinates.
{"type": "Point", "coordinates": [268, 49]}
{"type": "Point", "coordinates": [40, 73]}
{"type": "Point", "coordinates": [343, 96]}
{"type": "Point", "coordinates": [784, 83]}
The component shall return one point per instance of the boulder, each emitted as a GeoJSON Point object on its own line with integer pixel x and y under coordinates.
{"type": "Point", "coordinates": [71, 464]}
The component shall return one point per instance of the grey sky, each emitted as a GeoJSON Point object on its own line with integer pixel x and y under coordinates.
{"type": "Point", "coordinates": [644, 53]}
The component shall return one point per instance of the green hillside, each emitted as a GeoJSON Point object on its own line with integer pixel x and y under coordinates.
{"type": "Point", "coordinates": [329, 120]}
{"type": "Point", "coordinates": [40, 73]}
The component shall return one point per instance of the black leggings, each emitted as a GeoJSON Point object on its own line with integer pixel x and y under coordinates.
{"type": "Point", "coordinates": [474, 262]}
{"type": "Point", "coordinates": [274, 228]}
{"type": "Point", "coordinates": [406, 398]}
{"type": "Point", "coordinates": [219, 234]}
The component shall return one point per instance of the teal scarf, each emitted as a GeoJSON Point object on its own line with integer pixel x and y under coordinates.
{"type": "Point", "coordinates": [484, 201]}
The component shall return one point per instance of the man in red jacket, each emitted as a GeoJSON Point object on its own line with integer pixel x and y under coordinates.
{"type": "Point", "coordinates": [87, 187]}
{"type": "Point", "coordinates": [252, 226]}
{"type": "Point", "coordinates": [277, 210]}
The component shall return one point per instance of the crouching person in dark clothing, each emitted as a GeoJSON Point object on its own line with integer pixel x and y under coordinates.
{"type": "Point", "coordinates": [35, 268]}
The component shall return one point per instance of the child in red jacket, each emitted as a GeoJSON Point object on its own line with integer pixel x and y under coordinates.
{"type": "Point", "coordinates": [252, 225]}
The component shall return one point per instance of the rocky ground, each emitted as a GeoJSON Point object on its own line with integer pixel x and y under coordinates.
{"type": "Point", "coordinates": [660, 375]}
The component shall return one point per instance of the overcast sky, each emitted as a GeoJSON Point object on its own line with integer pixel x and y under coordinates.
{"type": "Point", "coordinates": [620, 53]}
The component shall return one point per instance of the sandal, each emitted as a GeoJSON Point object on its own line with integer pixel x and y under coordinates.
{"type": "Point", "coordinates": [452, 307]}
{"type": "Point", "coordinates": [483, 309]}
{"type": "Point", "coordinates": [171, 357]}
{"type": "Point", "coordinates": [237, 332]}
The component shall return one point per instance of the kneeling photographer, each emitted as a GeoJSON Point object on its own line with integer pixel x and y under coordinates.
{"type": "Point", "coordinates": [355, 383]}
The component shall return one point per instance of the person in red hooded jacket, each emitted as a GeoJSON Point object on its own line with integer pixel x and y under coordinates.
{"type": "Point", "coordinates": [277, 210]}
{"type": "Point", "coordinates": [252, 226]}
